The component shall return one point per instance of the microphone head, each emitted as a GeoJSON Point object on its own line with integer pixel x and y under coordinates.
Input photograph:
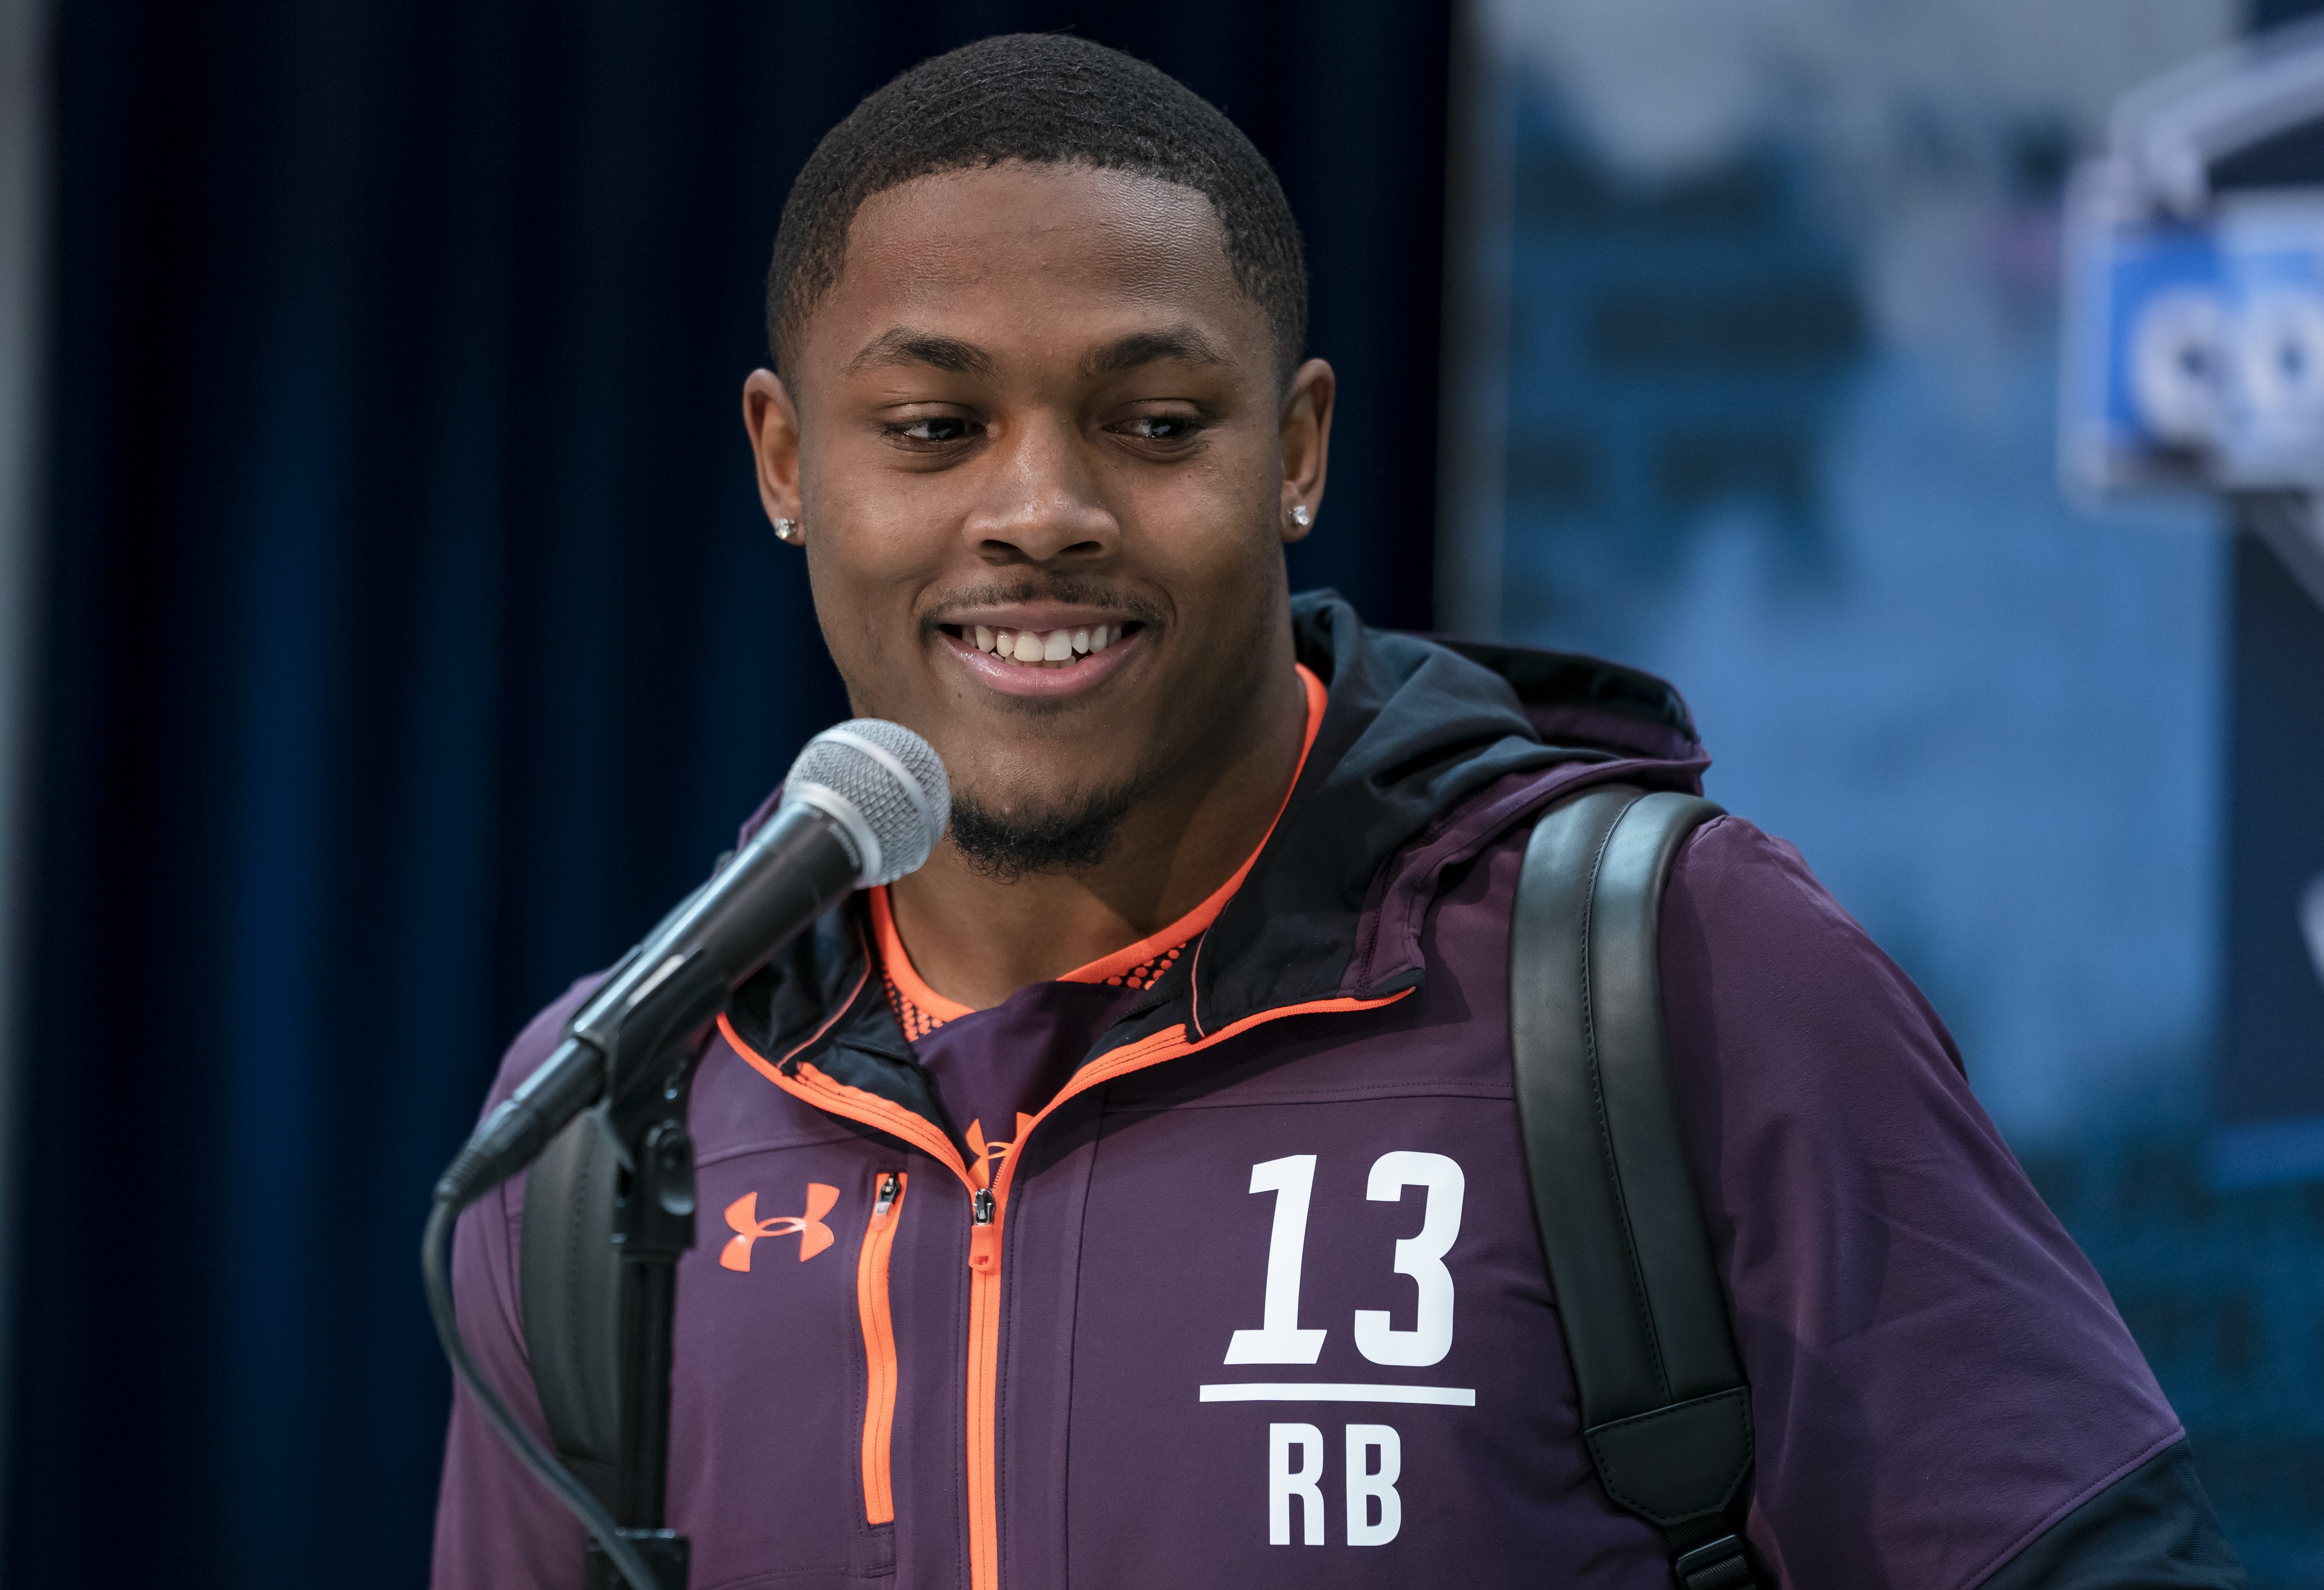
{"type": "Point", "coordinates": [884, 785]}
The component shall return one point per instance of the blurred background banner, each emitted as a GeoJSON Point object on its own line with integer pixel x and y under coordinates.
{"type": "Point", "coordinates": [411, 638]}
{"type": "Point", "coordinates": [406, 634]}
{"type": "Point", "coordinates": [1756, 364]}
{"type": "Point", "coordinates": [2194, 361]}
{"type": "Point", "coordinates": [2194, 338]}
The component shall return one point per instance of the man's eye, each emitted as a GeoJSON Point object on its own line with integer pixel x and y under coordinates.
{"type": "Point", "coordinates": [1161, 427]}
{"type": "Point", "coordinates": [934, 428]}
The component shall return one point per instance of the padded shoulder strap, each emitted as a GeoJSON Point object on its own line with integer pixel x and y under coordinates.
{"type": "Point", "coordinates": [570, 1279]}
{"type": "Point", "coordinates": [1665, 1407]}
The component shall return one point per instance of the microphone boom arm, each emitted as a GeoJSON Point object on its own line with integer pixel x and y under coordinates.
{"type": "Point", "coordinates": [662, 996]}
{"type": "Point", "coordinates": [864, 803]}
{"type": "Point", "coordinates": [630, 1051]}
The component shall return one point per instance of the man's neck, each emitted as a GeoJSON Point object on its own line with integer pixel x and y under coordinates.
{"type": "Point", "coordinates": [978, 942]}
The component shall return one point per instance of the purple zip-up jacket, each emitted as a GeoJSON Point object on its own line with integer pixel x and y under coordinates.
{"type": "Point", "coordinates": [1260, 1300]}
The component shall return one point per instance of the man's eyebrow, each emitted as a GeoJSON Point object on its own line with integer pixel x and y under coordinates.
{"type": "Point", "coordinates": [900, 345]}
{"type": "Point", "coordinates": [1181, 343]}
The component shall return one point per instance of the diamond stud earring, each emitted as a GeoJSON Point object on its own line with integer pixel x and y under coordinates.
{"type": "Point", "coordinates": [790, 531]}
{"type": "Point", "coordinates": [1299, 514]}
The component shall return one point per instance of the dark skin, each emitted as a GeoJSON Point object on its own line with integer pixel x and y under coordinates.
{"type": "Point", "coordinates": [1036, 399]}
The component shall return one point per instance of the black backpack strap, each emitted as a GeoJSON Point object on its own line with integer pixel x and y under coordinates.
{"type": "Point", "coordinates": [1665, 1407]}
{"type": "Point", "coordinates": [570, 1279]}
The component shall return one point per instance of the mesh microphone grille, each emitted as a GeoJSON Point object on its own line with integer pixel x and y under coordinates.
{"type": "Point", "coordinates": [905, 813]}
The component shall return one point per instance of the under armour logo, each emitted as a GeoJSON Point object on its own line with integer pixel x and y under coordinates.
{"type": "Point", "coordinates": [984, 1158]}
{"type": "Point", "coordinates": [814, 1235]}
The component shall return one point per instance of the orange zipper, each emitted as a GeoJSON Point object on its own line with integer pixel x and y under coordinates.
{"type": "Point", "coordinates": [988, 1208]}
{"type": "Point", "coordinates": [984, 1385]}
{"type": "Point", "coordinates": [879, 1347]}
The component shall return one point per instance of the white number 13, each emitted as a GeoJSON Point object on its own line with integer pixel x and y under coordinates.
{"type": "Point", "coordinates": [1279, 1338]}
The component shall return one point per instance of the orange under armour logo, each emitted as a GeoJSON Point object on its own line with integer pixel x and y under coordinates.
{"type": "Point", "coordinates": [814, 1235]}
{"type": "Point", "coordinates": [984, 1158]}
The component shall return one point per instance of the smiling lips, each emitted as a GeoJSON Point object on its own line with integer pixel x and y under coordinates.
{"type": "Point", "coordinates": [1059, 648]}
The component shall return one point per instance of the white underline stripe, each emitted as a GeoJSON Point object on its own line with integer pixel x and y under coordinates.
{"type": "Point", "coordinates": [1338, 1391]}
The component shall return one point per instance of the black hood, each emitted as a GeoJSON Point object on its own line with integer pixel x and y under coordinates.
{"type": "Point", "coordinates": [1424, 740]}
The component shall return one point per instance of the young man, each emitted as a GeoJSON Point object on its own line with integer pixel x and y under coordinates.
{"type": "Point", "coordinates": [1133, 1195]}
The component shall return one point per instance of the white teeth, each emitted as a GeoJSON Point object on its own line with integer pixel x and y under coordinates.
{"type": "Point", "coordinates": [1059, 648]}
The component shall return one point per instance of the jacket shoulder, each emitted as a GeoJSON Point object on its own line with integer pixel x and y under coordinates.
{"type": "Point", "coordinates": [1743, 904]}
{"type": "Point", "coordinates": [1937, 1373]}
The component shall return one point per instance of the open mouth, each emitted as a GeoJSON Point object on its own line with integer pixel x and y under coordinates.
{"type": "Point", "coordinates": [1057, 648]}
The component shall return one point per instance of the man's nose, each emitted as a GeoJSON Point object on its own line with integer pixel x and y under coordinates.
{"type": "Point", "coordinates": [1042, 500]}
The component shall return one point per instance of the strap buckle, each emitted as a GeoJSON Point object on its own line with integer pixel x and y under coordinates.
{"type": "Point", "coordinates": [1719, 1566]}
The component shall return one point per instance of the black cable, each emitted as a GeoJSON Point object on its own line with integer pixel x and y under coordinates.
{"type": "Point", "coordinates": [435, 1274]}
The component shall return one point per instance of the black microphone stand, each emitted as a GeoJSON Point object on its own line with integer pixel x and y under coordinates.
{"type": "Point", "coordinates": [653, 1227]}
{"type": "Point", "coordinates": [817, 847]}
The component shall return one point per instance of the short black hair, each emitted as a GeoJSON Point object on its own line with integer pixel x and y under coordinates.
{"type": "Point", "coordinates": [1046, 98]}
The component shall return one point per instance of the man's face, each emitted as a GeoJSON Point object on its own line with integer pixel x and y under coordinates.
{"type": "Point", "coordinates": [1038, 438]}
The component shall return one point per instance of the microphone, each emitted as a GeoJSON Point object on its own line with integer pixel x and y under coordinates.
{"type": "Point", "coordinates": [864, 804]}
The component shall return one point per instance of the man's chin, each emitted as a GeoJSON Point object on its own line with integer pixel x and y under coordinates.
{"type": "Point", "coordinates": [1011, 844]}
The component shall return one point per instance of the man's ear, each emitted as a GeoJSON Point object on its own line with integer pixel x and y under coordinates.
{"type": "Point", "coordinates": [772, 420]}
{"type": "Point", "coordinates": [1306, 446]}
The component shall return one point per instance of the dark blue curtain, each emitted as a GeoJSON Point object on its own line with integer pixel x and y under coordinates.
{"type": "Point", "coordinates": [414, 637]}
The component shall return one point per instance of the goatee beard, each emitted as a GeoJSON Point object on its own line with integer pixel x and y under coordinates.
{"type": "Point", "coordinates": [1009, 848]}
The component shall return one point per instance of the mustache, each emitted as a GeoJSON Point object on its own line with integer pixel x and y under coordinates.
{"type": "Point", "coordinates": [1067, 590]}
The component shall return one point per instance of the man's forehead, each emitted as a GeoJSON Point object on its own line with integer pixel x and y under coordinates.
{"type": "Point", "coordinates": [1093, 262]}
{"type": "Point", "coordinates": [1183, 342]}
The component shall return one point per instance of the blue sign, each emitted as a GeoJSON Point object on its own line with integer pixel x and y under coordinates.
{"type": "Point", "coordinates": [2195, 351]}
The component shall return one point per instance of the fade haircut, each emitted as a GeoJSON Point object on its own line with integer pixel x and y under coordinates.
{"type": "Point", "coordinates": [1045, 98]}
